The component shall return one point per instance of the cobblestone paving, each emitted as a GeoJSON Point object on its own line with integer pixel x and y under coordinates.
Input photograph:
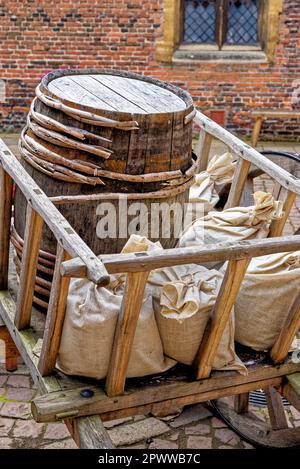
{"type": "Point", "coordinates": [195, 427]}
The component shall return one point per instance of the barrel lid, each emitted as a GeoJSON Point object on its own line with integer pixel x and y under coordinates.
{"type": "Point", "coordinates": [118, 92]}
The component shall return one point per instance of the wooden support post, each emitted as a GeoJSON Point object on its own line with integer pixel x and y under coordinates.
{"type": "Point", "coordinates": [124, 336]}
{"type": "Point", "coordinates": [6, 185]}
{"type": "Point", "coordinates": [276, 409]}
{"type": "Point", "coordinates": [55, 316]}
{"type": "Point", "coordinates": [238, 183]}
{"type": "Point", "coordinates": [241, 403]}
{"type": "Point", "coordinates": [277, 226]}
{"type": "Point", "coordinates": [202, 150]}
{"type": "Point", "coordinates": [214, 331]}
{"type": "Point", "coordinates": [32, 238]}
{"type": "Point", "coordinates": [291, 390]}
{"type": "Point", "coordinates": [284, 341]}
{"type": "Point", "coordinates": [11, 351]}
{"type": "Point", "coordinates": [89, 433]}
{"type": "Point", "coordinates": [256, 130]}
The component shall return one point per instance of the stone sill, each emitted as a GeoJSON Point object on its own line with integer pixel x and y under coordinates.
{"type": "Point", "coordinates": [195, 55]}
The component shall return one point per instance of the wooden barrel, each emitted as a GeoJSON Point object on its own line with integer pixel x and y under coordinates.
{"type": "Point", "coordinates": [98, 135]}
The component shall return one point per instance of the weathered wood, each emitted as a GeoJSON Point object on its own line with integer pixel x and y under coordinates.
{"type": "Point", "coordinates": [279, 113]}
{"type": "Point", "coordinates": [202, 150]}
{"type": "Point", "coordinates": [223, 308]}
{"type": "Point", "coordinates": [291, 390]}
{"type": "Point", "coordinates": [241, 403]}
{"type": "Point", "coordinates": [243, 150]}
{"type": "Point", "coordinates": [256, 130]}
{"type": "Point", "coordinates": [178, 256]}
{"type": "Point", "coordinates": [55, 316]}
{"type": "Point", "coordinates": [63, 231]}
{"type": "Point", "coordinates": [238, 183]}
{"type": "Point", "coordinates": [90, 433]}
{"type": "Point", "coordinates": [11, 351]}
{"type": "Point", "coordinates": [25, 342]}
{"type": "Point", "coordinates": [257, 432]}
{"type": "Point", "coordinates": [33, 231]}
{"type": "Point", "coordinates": [277, 226]}
{"type": "Point", "coordinates": [45, 408]}
{"type": "Point", "coordinates": [125, 331]}
{"type": "Point", "coordinates": [276, 409]}
{"type": "Point", "coordinates": [290, 328]}
{"type": "Point", "coordinates": [6, 185]}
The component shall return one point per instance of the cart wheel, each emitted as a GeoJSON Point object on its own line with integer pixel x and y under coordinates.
{"type": "Point", "coordinates": [255, 431]}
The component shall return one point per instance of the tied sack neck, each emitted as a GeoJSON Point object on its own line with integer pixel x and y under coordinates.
{"type": "Point", "coordinates": [265, 209]}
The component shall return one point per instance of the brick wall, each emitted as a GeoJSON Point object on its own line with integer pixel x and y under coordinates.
{"type": "Point", "coordinates": [37, 36]}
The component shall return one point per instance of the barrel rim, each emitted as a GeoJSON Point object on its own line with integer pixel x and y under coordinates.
{"type": "Point", "coordinates": [181, 93]}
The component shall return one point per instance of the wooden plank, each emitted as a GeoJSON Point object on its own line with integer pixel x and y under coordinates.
{"type": "Point", "coordinates": [11, 352]}
{"type": "Point", "coordinates": [119, 263]}
{"type": "Point", "coordinates": [245, 151]}
{"type": "Point", "coordinates": [202, 150]}
{"type": "Point", "coordinates": [241, 403]}
{"type": "Point", "coordinates": [90, 433]}
{"type": "Point", "coordinates": [46, 408]}
{"type": "Point", "coordinates": [100, 93]}
{"type": "Point", "coordinates": [61, 229]}
{"type": "Point", "coordinates": [25, 342]}
{"type": "Point", "coordinates": [256, 130]}
{"type": "Point", "coordinates": [125, 331]}
{"type": "Point", "coordinates": [223, 307]}
{"type": "Point", "coordinates": [277, 226]}
{"type": "Point", "coordinates": [55, 316]}
{"type": "Point", "coordinates": [276, 409]}
{"type": "Point", "coordinates": [6, 185]}
{"type": "Point", "coordinates": [290, 114]}
{"type": "Point", "coordinates": [238, 183]}
{"type": "Point", "coordinates": [290, 328]}
{"type": "Point", "coordinates": [32, 238]}
{"type": "Point", "coordinates": [291, 390]}
{"type": "Point", "coordinates": [54, 406]}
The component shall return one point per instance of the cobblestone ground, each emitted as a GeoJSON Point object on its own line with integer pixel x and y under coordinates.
{"type": "Point", "coordinates": [195, 427]}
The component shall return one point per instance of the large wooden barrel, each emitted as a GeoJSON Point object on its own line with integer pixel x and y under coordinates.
{"type": "Point", "coordinates": [97, 135]}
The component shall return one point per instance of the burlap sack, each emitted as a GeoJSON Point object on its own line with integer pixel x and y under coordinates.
{"type": "Point", "coordinates": [267, 293]}
{"type": "Point", "coordinates": [234, 224]}
{"type": "Point", "coordinates": [183, 305]}
{"type": "Point", "coordinates": [90, 322]}
{"type": "Point", "coordinates": [203, 194]}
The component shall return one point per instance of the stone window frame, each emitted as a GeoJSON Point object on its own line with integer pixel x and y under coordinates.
{"type": "Point", "coordinates": [170, 48]}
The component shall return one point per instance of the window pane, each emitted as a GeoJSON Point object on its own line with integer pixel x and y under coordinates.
{"type": "Point", "coordinates": [199, 21]}
{"type": "Point", "coordinates": [242, 22]}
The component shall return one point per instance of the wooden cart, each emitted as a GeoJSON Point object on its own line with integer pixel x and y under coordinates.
{"type": "Point", "coordinates": [65, 398]}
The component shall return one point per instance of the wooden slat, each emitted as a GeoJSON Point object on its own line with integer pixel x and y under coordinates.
{"type": "Point", "coordinates": [61, 229]}
{"type": "Point", "coordinates": [290, 328]}
{"type": "Point", "coordinates": [125, 331]}
{"type": "Point", "coordinates": [178, 256]}
{"type": "Point", "coordinates": [248, 153]}
{"type": "Point", "coordinates": [277, 226]}
{"type": "Point", "coordinates": [291, 390]}
{"type": "Point", "coordinates": [55, 316]}
{"type": "Point", "coordinates": [46, 408]}
{"type": "Point", "coordinates": [25, 342]}
{"type": "Point", "coordinates": [238, 183]}
{"type": "Point", "coordinates": [32, 237]}
{"type": "Point", "coordinates": [89, 433]}
{"type": "Point", "coordinates": [241, 403]}
{"type": "Point", "coordinates": [290, 114]}
{"type": "Point", "coordinates": [256, 130]}
{"type": "Point", "coordinates": [229, 289]}
{"type": "Point", "coordinates": [11, 352]}
{"type": "Point", "coordinates": [202, 150]}
{"type": "Point", "coordinates": [6, 184]}
{"type": "Point", "coordinates": [276, 409]}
